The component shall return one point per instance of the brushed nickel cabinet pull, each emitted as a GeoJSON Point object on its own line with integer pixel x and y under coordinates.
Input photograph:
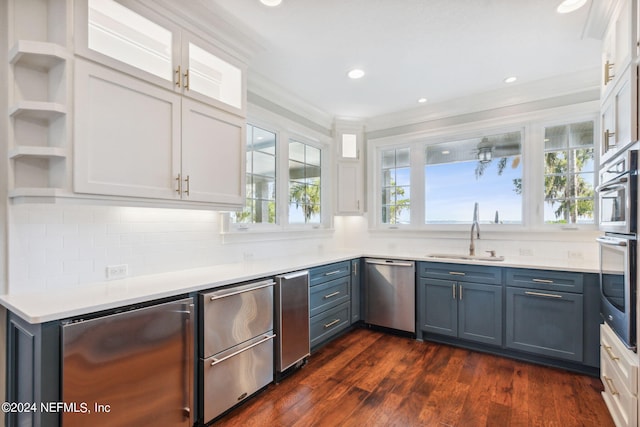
{"type": "Point", "coordinates": [179, 179]}
{"type": "Point", "coordinates": [453, 290]}
{"type": "Point", "coordinates": [609, 381]}
{"type": "Point", "coordinates": [608, 76]}
{"type": "Point", "coordinates": [612, 356]}
{"type": "Point", "coordinates": [178, 76]}
{"type": "Point", "coordinates": [331, 273]}
{"type": "Point", "coordinates": [460, 291]}
{"type": "Point", "coordinates": [540, 294]}
{"type": "Point", "coordinates": [548, 282]}
{"type": "Point", "coordinates": [330, 324]}
{"type": "Point", "coordinates": [187, 181]}
{"type": "Point", "coordinates": [457, 273]}
{"type": "Point", "coordinates": [186, 79]}
{"type": "Point", "coordinates": [331, 295]}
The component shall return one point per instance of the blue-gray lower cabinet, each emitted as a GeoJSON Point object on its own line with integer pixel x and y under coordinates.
{"type": "Point", "coordinates": [466, 310]}
{"type": "Point", "coordinates": [330, 301]}
{"type": "Point", "coordinates": [545, 322]}
{"type": "Point", "coordinates": [33, 368]}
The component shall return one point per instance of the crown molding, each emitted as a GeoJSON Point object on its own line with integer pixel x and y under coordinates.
{"type": "Point", "coordinates": [559, 90]}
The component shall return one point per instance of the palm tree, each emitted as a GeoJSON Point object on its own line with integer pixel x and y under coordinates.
{"type": "Point", "coordinates": [307, 196]}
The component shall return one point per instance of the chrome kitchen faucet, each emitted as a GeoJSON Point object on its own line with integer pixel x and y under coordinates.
{"type": "Point", "coordinates": [476, 225]}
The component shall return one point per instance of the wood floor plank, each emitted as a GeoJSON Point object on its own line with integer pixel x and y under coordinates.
{"type": "Point", "coordinates": [368, 378]}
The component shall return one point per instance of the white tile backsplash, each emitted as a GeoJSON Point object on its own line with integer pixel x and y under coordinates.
{"type": "Point", "coordinates": [62, 246]}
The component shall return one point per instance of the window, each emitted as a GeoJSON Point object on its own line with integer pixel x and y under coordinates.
{"type": "Point", "coordinates": [304, 183]}
{"type": "Point", "coordinates": [261, 178]}
{"type": "Point", "coordinates": [487, 170]}
{"type": "Point", "coordinates": [569, 174]}
{"type": "Point", "coordinates": [396, 186]}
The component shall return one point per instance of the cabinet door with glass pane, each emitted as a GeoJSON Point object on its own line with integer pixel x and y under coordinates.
{"type": "Point", "coordinates": [147, 45]}
{"type": "Point", "coordinates": [211, 76]}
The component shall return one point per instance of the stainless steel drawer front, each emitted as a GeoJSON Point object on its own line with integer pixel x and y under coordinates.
{"type": "Point", "coordinates": [235, 374]}
{"type": "Point", "coordinates": [235, 315]}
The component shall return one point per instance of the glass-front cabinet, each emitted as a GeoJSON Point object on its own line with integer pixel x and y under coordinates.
{"type": "Point", "coordinates": [144, 44]}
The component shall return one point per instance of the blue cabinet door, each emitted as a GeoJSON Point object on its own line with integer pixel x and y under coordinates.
{"type": "Point", "coordinates": [545, 322]}
{"type": "Point", "coordinates": [480, 313]}
{"type": "Point", "coordinates": [438, 307]}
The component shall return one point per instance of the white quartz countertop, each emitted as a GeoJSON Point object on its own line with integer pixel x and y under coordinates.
{"type": "Point", "coordinates": [77, 301]}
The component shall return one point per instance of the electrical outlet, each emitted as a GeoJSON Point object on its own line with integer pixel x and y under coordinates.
{"type": "Point", "coordinates": [576, 255]}
{"type": "Point", "coordinates": [526, 252]}
{"type": "Point", "coordinates": [117, 271]}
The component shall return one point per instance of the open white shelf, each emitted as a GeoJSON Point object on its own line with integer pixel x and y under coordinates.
{"type": "Point", "coordinates": [36, 54]}
{"type": "Point", "coordinates": [42, 152]}
{"type": "Point", "coordinates": [37, 110]}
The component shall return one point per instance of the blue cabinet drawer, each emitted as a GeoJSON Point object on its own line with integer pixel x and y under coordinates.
{"type": "Point", "coordinates": [559, 281]}
{"type": "Point", "coordinates": [329, 294]}
{"type": "Point", "coordinates": [321, 274]}
{"type": "Point", "coordinates": [461, 272]}
{"type": "Point", "coordinates": [329, 323]}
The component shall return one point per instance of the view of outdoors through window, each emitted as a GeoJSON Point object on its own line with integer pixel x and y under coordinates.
{"type": "Point", "coordinates": [569, 173]}
{"type": "Point", "coordinates": [304, 183]}
{"type": "Point", "coordinates": [486, 170]}
{"type": "Point", "coordinates": [396, 186]}
{"type": "Point", "coordinates": [261, 178]}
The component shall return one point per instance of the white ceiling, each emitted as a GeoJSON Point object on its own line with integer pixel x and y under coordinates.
{"type": "Point", "coordinates": [437, 49]}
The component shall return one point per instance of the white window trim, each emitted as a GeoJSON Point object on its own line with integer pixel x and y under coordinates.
{"type": "Point", "coordinates": [287, 130]}
{"type": "Point", "coordinates": [532, 126]}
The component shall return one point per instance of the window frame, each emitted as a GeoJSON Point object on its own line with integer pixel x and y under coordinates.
{"type": "Point", "coordinates": [532, 127]}
{"type": "Point", "coordinates": [286, 130]}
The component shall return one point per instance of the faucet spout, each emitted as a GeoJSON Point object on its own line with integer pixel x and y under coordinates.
{"type": "Point", "coordinates": [475, 225]}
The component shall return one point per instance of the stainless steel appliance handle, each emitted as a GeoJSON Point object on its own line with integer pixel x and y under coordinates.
{"type": "Point", "coordinates": [235, 353]}
{"type": "Point", "coordinates": [290, 276]}
{"type": "Point", "coordinates": [613, 185]}
{"type": "Point", "coordinates": [241, 289]}
{"type": "Point", "coordinates": [391, 262]}
{"type": "Point", "coordinates": [611, 242]}
{"type": "Point", "coordinates": [187, 336]}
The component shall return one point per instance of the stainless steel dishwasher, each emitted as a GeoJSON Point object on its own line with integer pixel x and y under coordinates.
{"type": "Point", "coordinates": [292, 320]}
{"type": "Point", "coordinates": [390, 294]}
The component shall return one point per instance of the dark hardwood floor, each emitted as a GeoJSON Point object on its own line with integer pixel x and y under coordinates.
{"type": "Point", "coordinates": [368, 378]}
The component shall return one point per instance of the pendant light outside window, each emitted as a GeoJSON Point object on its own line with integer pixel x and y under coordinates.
{"type": "Point", "coordinates": [484, 151]}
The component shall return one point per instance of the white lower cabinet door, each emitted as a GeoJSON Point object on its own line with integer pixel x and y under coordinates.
{"type": "Point", "coordinates": [213, 155]}
{"type": "Point", "coordinates": [127, 135]}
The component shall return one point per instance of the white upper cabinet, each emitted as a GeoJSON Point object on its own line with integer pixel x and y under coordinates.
{"type": "Point", "coordinates": [144, 44]}
{"type": "Point", "coordinates": [119, 151]}
{"type": "Point", "coordinates": [350, 193]}
{"type": "Point", "coordinates": [159, 112]}
{"type": "Point", "coordinates": [617, 45]}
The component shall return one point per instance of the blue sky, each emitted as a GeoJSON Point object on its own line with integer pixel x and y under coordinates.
{"type": "Point", "coordinates": [451, 189]}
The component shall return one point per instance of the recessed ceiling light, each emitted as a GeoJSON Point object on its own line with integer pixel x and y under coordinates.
{"type": "Point", "coordinates": [422, 100]}
{"type": "Point", "coordinates": [356, 73]}
{"type": "Point", "coordinates": [570, 5]}
{"type": "Point", "coordinates": [445, 152]}
{"type": "Point", "coordinates": [271, 3]}
{"type": "Point", "coordinates": [510, 79]}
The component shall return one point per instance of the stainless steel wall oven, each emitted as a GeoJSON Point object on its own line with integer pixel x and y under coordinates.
{"type": "Point", "coordinates": [618, 285]}
{"type": "Point", "coordinates": [617, 194]}
{"type": "Point", "coordinates": [618, 200]}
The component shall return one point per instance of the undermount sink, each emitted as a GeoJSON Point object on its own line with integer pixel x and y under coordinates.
{"type": "Point", "coordinates": [467, 257]}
